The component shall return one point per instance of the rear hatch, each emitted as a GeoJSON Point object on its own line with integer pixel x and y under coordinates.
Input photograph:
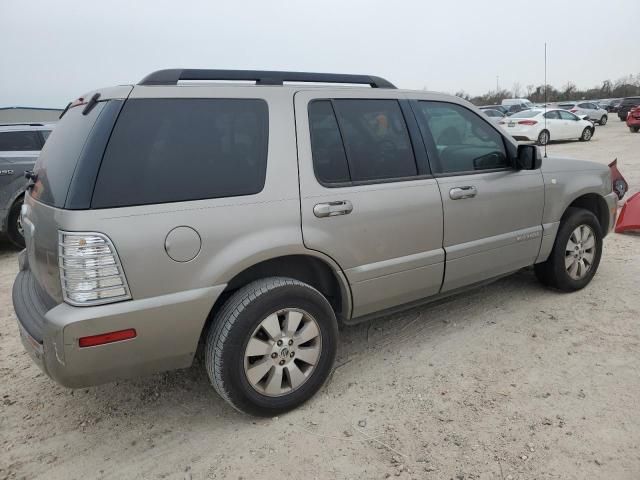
{"type": "Point", "coordinates": [64, 178]}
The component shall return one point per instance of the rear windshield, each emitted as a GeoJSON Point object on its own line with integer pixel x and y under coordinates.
{"type": "Point", "coordinates": [525, 114]}
{"type": "Point", "coordinates": [59, 156]}
{"type": "Point", "coordinates": [172, 149]}
{"type": "Point", "coordinates": [19, 141]}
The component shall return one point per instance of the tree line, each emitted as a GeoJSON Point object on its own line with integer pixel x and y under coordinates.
{"type": "Point", "coordinates": [623, 87]}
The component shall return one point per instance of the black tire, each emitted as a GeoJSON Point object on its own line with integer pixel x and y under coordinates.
{"type": "Point", "coordinates": [544, 137]}
{"type": "Point", "coordinates": [587, 134]}
{"type": "Point", "coordinates": [634, 129]}
{"type": "Point", "coordinates": [553, 272]}
{"type": "Point", "coordinates": [14, 232]}
{"type": "Point", "coordinates": [233, 327]}
{"type": "Point", "coordinates": [603, 120]}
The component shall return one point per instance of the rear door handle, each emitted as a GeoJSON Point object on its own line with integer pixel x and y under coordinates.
{"type": "Point", "coordinates": [458, 193]}
{"type": "Point", "coordinates": [331, 209]}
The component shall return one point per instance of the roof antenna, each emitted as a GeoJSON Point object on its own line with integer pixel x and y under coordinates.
{"type": "Point", "coordinates": [545, 96]}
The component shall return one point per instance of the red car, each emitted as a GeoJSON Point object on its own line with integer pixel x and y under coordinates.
{"type": "Point", "coordinates": [633, 119]}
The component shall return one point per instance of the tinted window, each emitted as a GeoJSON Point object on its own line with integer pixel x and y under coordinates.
{"type": "Point", "coordinates": [566, 106]}
{"type": "Point", "coordinates": [463, 141]}
{"type": "Point", "coordinates": [525, 114]}
{"type": "Point", "coordinates": [171, 150]}
{"type": "Point", "coordinates": [59, 156]}
{"type": "Point", "coordinates": [493, 113]}
{"type": "Point", "coordinates": [19, 141]}
{"type": "Point", "coordinates": [553, 115]}
{"type": "Point", "coordinates": [329, 158]}
{"type": "Point", "coordinates": [586, 105]}
{"type": "Point", "coordinates": [376, 139]}
{"type": "Point", "coordinates": [567, 115]}
{"type": "Point", "coordinates": [45, 134]}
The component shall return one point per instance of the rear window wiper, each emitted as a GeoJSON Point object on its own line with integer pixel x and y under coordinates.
{"type": "Point", "coordinates": [91, 103]}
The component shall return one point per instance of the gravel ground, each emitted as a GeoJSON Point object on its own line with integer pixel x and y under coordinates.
{"type": "Point", "coordinates": [510, 381]}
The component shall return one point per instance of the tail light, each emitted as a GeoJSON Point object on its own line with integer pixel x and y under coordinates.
{"type": "Point", "coordinates": [527, 122]}
{"type": "Point", "coordinates": [90, 270]}
{"type": "Point", "coordinates": [573, 110]}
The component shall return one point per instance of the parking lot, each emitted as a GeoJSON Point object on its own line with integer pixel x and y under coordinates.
{"type": "Point", "coordinates": [510, 381]}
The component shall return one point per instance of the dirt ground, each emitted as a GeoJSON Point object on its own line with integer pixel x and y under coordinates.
{"type": "Point", "coordinates": [511, 381]}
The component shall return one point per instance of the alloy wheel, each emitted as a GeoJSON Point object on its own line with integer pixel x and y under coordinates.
{"type": "Point", "coordinates": [282, 352]}
{"type": "Point", "coordinates": [580, 252]}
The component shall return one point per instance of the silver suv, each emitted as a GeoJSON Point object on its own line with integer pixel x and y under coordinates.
{"type": "Point", "coordinates": [255, 219]}
{"type": "Point", "coordinates": [20, 145]}
{"type": "Point", "coordinates": [595, 112]}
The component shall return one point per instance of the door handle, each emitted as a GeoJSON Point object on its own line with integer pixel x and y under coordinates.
{"type": "Point", "coordinates": [459, 193]}
{"type": "Point", "coordinates": [331, 209]}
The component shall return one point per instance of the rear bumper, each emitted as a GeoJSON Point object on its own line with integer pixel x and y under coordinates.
{"type": "Point", "coordinates": [168, 330]}
{"type": "Point", "coordinates": [633, 122]}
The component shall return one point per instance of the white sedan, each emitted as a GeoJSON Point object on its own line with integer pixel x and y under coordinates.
{"type": "Point", "coordinates": [537, 126]}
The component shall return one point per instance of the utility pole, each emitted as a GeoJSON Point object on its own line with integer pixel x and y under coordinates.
{"type": "Point", "coordinates": [497, 83]}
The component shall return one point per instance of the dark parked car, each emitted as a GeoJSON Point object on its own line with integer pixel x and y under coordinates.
{"type": "Point", "coordinates": [626, 105]}
{"type": "Point", "coordinates": [20, 145]}
{"type": "Point", "coordinates": [610, 104]}
{"type": "Point", "coordinates": [500, 108]}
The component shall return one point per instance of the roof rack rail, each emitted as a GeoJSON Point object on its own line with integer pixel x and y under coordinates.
{"type": "Point", "coordinates": [174, 75]}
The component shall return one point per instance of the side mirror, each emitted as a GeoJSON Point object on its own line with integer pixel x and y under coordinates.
{"type": "Point", "coordinates": [528, 158]}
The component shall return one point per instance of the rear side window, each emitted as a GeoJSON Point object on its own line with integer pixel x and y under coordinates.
{"type": "Point", "coordinates": [19, 141]}
{"type": "Point", "coordinates": [371, 135]}
{"type": "Point", "coordinates": [566, 106]}
{"type": "Point", "coordinates": [172, 150]}
{"type": "Point", "coordinates": [329, 157]}
{"type": "Point", "coordinates": [464, 142]}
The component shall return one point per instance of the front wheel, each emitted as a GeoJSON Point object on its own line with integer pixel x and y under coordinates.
{"type": "Point", "coordinates": [272, 346]}
{"type": "Point", "coordinates": [576, 252]}
{"type": "Point", "coordinates": [587, 133]}
{"type": "Point", "coordinates": [543, 137]}
{"type": "Point", "coordinates": [603, 120]}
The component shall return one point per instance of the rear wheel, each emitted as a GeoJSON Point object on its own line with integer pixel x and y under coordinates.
{"type": "Point", "coordinates": [272, 346]}
{"type": "Point", "coordinates": [576, 252]}
{"type": "Point", "coordinates": [603, 120]}
{"type": "Point", "coordinates": [634, 129]}
{"type": "Point", "coordinates": [15, 232]}
{"type": "Point", "coordinates": [543, 137]}
{"type": "Point", "coordinates": [587, 133]}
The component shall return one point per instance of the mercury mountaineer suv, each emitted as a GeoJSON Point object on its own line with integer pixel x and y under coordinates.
{"type": "Point", "coordinates": [256, 219]}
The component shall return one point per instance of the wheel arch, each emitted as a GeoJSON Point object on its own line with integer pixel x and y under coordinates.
{"type": "Point", "coordinates": [311, 268]}
{"type": "Point", "coordinates": [594, 203]}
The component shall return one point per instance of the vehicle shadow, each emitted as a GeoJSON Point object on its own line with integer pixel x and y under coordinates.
{"type": "Point", "coordinates": [189, 393]}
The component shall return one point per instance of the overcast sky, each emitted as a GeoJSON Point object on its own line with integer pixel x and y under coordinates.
{"type": "Point", "coordinates": [53, 51]}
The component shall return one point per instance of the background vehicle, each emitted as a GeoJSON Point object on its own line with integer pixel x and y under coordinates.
{"type": "Point", "coordinates": [610, 104]}
{"type": "Point", "coordinates": [515, 105]}
{"type": "Point", "coordinates": [494, 115]}
{"type": "Point", "coordinates": [560, 124]}
{"type": "Point", "coordinates": [591, 109]}
{"type": "Point", "coordinates": [626, 105]}
{"type": "Point", "coordinates": [20, 145]}
{"type": "Point", "coordinates": [633, 119]}
{"type": "Point", "coordinates": [502, 109]}
{"type": "Point", "coordinates": [292, 229]}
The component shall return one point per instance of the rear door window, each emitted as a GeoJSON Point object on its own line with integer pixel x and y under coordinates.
{"type": "Point", "coordinates": [567, 116]}
{"type": "Point", "coordinates": [360, 140]}
{"type": "Point", "coordinates": [172, 150]}
{"type": "Point", "coordinates": [20, 141]}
